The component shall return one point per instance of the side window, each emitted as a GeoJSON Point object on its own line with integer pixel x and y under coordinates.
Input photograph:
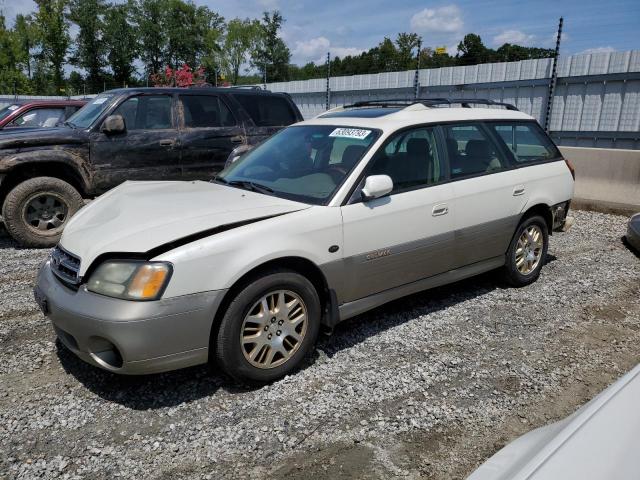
{"type": "Point", "coordinates": [267, 111]}
{"type": "Point", "coordinates": [202, 111]}
{"type": "Point", "coordinates": [411, 159]}
{"type": "Point", "coordinates": [527, 142]}
{"type": "Point", "coordinates": [471, 151]}
{"type": "Point", "coordinates": [40, 117]}
{"type": "Point", "coordinates": [152, 112]}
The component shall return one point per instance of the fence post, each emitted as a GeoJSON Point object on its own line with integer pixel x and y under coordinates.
{"type": "Point", "coordinates": [328, 96]}
{"type": "Point", "coordinates": [552, 81]}
{"type": "Point", "coordinates": [416, 80]}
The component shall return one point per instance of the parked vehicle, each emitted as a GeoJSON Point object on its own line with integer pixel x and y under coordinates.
{"type": "Point", "coordinates": [127, 134]}
{"type": "Point", "coordinates": [325, 220]}
{"type": "Point", "coordinates": [23, 114]}
{"type": "Point", "coordinates": [633, 232]}
{"type": "Point", "coordinates": [599, 442]}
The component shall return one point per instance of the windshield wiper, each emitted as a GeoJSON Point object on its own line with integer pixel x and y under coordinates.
{"type": "Point", "coordinates": [247, 185]}
{"type": "Point", "coordinates": [69, 124]}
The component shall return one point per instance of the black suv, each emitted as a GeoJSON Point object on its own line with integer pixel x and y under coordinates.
{"type": "Point", "coordinates": [128, 134]}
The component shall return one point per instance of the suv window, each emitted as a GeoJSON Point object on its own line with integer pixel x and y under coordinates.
{"type": "Point", "coordinates": [266, 111]}
{"type": "Point", "coordinates": [527, 142]}
{"type": "Point", "coordinates": [201, 111]}
{"type": "Point", "coordinates": [411, 159]}
{"type": "Point", "coordinates": [471, 151]}
{"type": "Point", "coordinates": [147, 112]}
{"type": "Point", "coordinates": [40, 117]}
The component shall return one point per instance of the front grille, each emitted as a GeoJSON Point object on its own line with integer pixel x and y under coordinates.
{"type": "Point", "coordinates": [65, 266]}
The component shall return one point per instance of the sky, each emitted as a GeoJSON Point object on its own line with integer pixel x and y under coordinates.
{"type": "Point", "coordinates": [313, 27]}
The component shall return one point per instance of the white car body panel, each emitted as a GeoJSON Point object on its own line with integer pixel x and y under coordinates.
{"type": "Point", "coordinates": [139, 216]}
{"type": "Point", "coordinates": [218, 261]}
{"type": "Point", "coordinates": [598, 442]}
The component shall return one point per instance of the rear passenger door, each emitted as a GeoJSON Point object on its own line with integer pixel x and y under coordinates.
{"type": "Point", "coordinates": [208, 134]}
{"type": "Point", "coordinates": [488, 194]}
{"type": "Point", "coordinates": [408, 235]}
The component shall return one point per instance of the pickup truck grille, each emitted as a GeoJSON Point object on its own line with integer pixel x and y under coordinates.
{"type": "Point", "coordinates": [65, 266]}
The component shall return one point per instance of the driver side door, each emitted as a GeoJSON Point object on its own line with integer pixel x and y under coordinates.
{"type": "Point", "coordinates": [147, 150]}
{"type": "Point", "coordinates": [407, 235]}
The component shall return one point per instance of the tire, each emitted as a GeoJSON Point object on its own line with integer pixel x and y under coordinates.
{"type": "Point", "coordinates": [233, 345]}
{"type": "Point", "coordinates": [36, 210]}
{"type": "Point", "coordinates": [522, 269]}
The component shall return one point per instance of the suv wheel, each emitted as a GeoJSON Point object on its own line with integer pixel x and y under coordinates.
{"type": "Point", "coordinates": [269, 327]}
{"type": "Point", "coordinates": [527, 252]}
{"type": "Point", "coordinates": [36, 210]}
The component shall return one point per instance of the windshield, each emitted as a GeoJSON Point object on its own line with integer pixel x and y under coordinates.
{"type": "Point", "coordinates": [6, 111]}
{"type": "Point", "coordinates": [88, 114]}
{"type": "Point", "coordinates": [305, 163]}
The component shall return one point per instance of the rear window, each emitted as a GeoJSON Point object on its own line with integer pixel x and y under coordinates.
{"type": "Point", "coordinates": [267, 111]}
{"type": "Point", "coordinates": [202, 111]}
{"type": "Point", "coordinates": [527, 141]}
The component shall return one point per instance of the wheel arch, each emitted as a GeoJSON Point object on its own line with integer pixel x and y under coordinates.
{"type": "Point", "coordinates": [62, 169]}
{"type": "Point", "coordinates": [541, 209]}
{"type": "Point", "coordinates": [301, 265]}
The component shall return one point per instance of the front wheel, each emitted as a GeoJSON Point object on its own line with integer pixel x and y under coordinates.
{"type": "Point", "coordinates": [36, 210]}
{"type": "Point", "coordinates": [527, 252]}
{"type": "Point", "coordinates": [269, 327]}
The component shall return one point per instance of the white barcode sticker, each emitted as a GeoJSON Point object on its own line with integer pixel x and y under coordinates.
{"type": "Point", "coordinates": [13, 107]}
{"type": "Point", "coordinates": [359, 133]}
{"type": "Point", "coordinates": [100, 100]}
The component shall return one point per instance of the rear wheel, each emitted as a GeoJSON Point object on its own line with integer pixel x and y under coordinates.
{"type": "Point", "coordinates": [269, 327]}
{"type": "Point", "coordinates": [527, 252]}
{"type": "Point", "coordinates": [36, 210]}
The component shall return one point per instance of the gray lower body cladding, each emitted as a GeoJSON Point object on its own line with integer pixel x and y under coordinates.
{"type": "Point", "coordinates": [358, 277]}
{"type": "Point", "coordinates": [129, 337]}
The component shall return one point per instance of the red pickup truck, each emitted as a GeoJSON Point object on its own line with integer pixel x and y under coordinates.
{"type": "Point", "coordinates": [37, 113]}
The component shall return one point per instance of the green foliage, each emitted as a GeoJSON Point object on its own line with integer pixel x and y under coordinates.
{"type": "Point", "coordinates": [121, 41]}
{"type": "Point", "coordinates": [114, 34]}
{"type": "Point", "coordinates": [270, 54]}
{"type": "Point", "coordinates": [53, 35]}
{"type": "Point", "coordinates": [90, 51]}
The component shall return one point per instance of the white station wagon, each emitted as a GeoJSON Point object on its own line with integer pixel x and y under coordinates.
{"type": "Point", "coordinates": [325, 220]}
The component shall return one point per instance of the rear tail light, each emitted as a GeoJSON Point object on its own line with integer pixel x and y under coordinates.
{"type": "Point", "coordinates": [571, 168]}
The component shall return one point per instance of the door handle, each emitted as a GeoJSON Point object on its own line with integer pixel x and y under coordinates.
{"type": "Point", "coordinates": [237, 139]}
{"type": "Point", "coordinates": [167, 143]}
{"type": "Point", "coordinates": [441, 209]}
{"type": "Point", "coordinates": [518, 190]}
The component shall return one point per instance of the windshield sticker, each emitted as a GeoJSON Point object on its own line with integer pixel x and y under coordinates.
{"type": "Point", "coordinates": [13, 107]}
{"type": "Point", "coordinates": [358, 133]}
{"type": "Point", "coordinates": [100, 101]}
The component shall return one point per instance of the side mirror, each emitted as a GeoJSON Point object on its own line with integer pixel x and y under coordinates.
{"type": "Point", "coordinates": [376, 186]}
{"type": "Point", "coordinates": [113, 125]}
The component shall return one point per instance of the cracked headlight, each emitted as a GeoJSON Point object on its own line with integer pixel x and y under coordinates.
{"type": "Point", "coordinates": [130, 280]}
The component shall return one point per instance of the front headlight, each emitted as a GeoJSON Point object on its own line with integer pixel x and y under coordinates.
{"type": "Point", "coordinates": [130, 280]}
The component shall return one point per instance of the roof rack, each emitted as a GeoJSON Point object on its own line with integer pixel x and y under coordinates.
{"type": "Point", "coordinates": [430, 102]}
{"type": "Point", "coordinates": [247, 87]}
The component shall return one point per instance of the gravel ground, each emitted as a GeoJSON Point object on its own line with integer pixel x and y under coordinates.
{"type": "Point", "coordinates": [425, 387]}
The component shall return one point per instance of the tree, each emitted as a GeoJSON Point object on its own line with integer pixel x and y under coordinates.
{"type": "Point", "coordinates": [473, 50]}
{"type": "Point", "coordinates": [150, 16]}
{"type": "Point", "coordinates": [241, 38]}
{"type": "Point", "coordinates": [53, 35]}
{"type": "Point", "coordinates": [406, 43]}
{"type": "Point", "coordinates": [271, 55]}
{"type": "Point", "coordinates": [120, 41]}
{"type": "Point", "coordinates": [89, 53]}
{"type": "Point", "coordinates": [26, 38]}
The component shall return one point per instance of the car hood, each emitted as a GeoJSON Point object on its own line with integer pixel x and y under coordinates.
{"type": "Point", "coordinates": [138, 217]}
{"type": "Point", "coordinates": [34, 137]}
{"type": "Point", "coordinates": [599, 442]}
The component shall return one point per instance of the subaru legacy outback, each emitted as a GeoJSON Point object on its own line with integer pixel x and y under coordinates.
{"type": "Point", "coordinates": [325, 220]}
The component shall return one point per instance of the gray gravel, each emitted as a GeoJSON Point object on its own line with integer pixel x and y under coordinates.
{"type": "Point", "coordinates": [425, 387]}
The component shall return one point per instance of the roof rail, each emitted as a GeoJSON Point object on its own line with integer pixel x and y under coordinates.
{"type": "Point", "coordinates": [431, 102]}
